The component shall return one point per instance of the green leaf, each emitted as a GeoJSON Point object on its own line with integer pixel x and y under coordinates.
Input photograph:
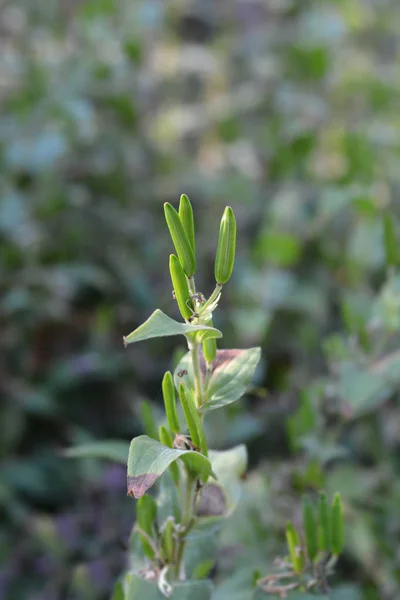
{"type": "Point", "coordinates": [114, 450]}
{"type": "Point", "coordinates": [231, 375]}
{"type": "Point", "coordinates": [193, 590]}
{"type": "Point", "coordinates": [148, 459]}
{"type": "Point", "coordinates": [365, 390]}
{"type": "Point", "coordinates": [220, 498]}
{"type": "Point", "coordinates": [160, 325]}
{"type": "Point", "coordinates": [118, 593]}
{"type": "Point", "coordinates": [138, 588]}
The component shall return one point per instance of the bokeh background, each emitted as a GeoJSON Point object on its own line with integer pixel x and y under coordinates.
{"type": "Point", "coordinates": [286, 110]}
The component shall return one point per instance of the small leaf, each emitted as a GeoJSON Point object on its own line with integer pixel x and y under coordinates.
{"type": "Point", "coordinates": [231, 374]}
{"type": "Point", "coordinates": [160, 325]}
{"type": "Point", "coordinates": [310, 529]}
{"type": "Point", "coordinates": [148, 459]}
{"type": "Point", "coordinates": [114, 450]}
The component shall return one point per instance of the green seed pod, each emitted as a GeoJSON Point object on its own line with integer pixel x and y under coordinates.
{"type": "Point", "coordinates": [146, 514]}
{"type": "Point", "coordinates": [293, 542]}
{"type": "Point", "coordinates": [166, 439]}
{"type": "Point", "coordinates": [225, 258]}
{"type": "Point", "coordinates": [168, 390]}
{"type": "Point", "coordinates": [210, 346]}
{"type": "Point", "coordinates": [180, 239]}
{"type": "Point", "coordinates": [324, 523]}
{"type": "Point", "coordinates": [147, 419]}
{"type": "Point", "coordinates": [168, 540]}
{"type": "Point", "coordinates": [180, 286]}
{"type": "Point", "coordinates": [310, 529]}
{"type": "Point", "coordinates": [186, 216]}
{"type": "Point", "coordinates": [192, 419]}
{"type": "Point", "coordinates": [337, 532]}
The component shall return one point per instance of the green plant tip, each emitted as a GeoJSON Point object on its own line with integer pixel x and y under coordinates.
{"type": "Point", "coordinates": [187, 218]}
{"type": "Point", "coordinates": [225, 257]}
{"type": "Point", "coordinates": [180, 239]}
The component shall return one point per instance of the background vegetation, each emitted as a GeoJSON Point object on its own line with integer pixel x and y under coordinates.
{"type": "Point", "coordinates": [287, 111]}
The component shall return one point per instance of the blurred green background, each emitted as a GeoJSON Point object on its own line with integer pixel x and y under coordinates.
{"type": "Point", "coordinates": [289, 112]}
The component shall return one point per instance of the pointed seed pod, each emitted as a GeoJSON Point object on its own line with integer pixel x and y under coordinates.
{"type": "Point", "coordinates": [310, 529]}
{"type": "Point", "coordinates": [166, 439]}
{"type": "Point", "coordinates": [210, 346]}
{"type": "Point", "coordinates": [181, 242]}
{"type": "Point", "coordinates": [324, 523]}
{"type": "Point", "coordinates": [168, 390]}
{"type": "Point", "coordinates": [146, 514]}
{"type": "Point", "coordinates": [180, 285]}
{"type": "Point", "coordinates": [293, 542]}
{"type": "Point", "coordinates": [225, 257]}
{"type": "Point", "coordinates": [192, 419]}
{"type": "Point", "coordinates": [186, 216]}
{"type": "Point", "coordinates": [168, 540]}
{"type": "Point", "coordinates": [337, 532]}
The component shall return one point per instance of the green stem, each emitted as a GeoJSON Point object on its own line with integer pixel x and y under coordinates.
{"type": "Point", "coordinates": [213, 297]}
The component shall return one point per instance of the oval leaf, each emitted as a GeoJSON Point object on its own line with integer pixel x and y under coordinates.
{"type": "Point", "coordinates": [160, 325]}
{"type": "Point", "coordinates": [114, 450]}
{"type": "Point", "coordinates": [148, 459]}
{"type": "Point", "coordinates": [231, 375]}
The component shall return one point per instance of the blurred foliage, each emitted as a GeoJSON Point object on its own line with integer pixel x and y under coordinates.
{"type": "Point", "coordinates": [286, 110]}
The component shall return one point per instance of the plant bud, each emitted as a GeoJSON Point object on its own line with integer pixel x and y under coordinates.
{"type": "Point", "coordinates": [186, 216]}
{"type": "Point", "coordinates": [180, 286]}
{"type": "Point", "coordinates": [168, 391]}
{"type": "Point", "coordinates": [337, 533]}
{"type": "Point", "coordinates": [180, 239]}
{"type": "Point", "coordinates": [324, 523]}
{"type": "Point", "coordinates": [146, 514]}
{"type": "Point", "coordinates": [225, 257]}
{"type": "Point", "coordinates": [166, 439]}
{"type": "Point", "coordinates": [210, 346]}
{"type": "Point", "coordinates": [293, 542]}
{"type": "Point", "coordinates": [168, 540]}
{"type": "Point", "coordinates": [310, 529]}
{"type": "Point", "coordinates": [192, 419]}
